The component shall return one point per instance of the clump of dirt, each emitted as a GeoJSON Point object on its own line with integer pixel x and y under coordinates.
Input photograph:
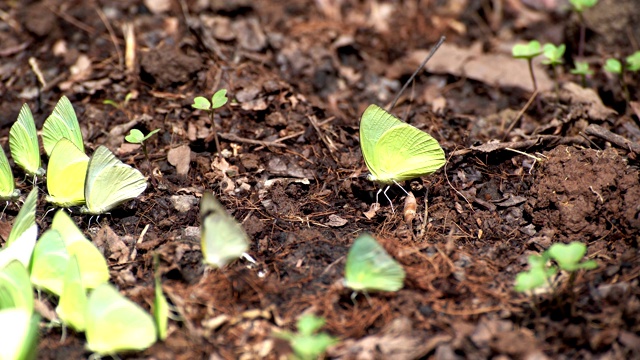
{"type": "Point", "coordinates": [583, 192]}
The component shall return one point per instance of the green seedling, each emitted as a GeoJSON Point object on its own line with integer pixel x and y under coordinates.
{"type": "Point", "coordinates": [553, 55]}
{"type": "Point", "coordinates": [218, 100]}
{"type": "Point", "coordinates": [633, 61]}
{"type": "Point", "coordinates": [528, 52]}
{"type": "Point", "coordinates": [579, 6]}
{"type": "Point", "coordinates": [136, 136]}
{"type": "Point", "coordinates": [620, 68]}
{"type": "Point", "coordinates": [307, 344]}
{"type": "Point", "coordinates": [122, 106]}
{"type": "Point", "coordinates": [582, 68]}
{"type": "Point", "coordinates": [119, 105]}
{"type": "Point", "coordinates": [537, 276]}
{"type": "Point", "coordinates": [568, 256]}
{"type": "Point", "coordinates": [613, 66]}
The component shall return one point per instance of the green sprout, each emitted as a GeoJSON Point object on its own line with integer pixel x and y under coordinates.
{"type": "Point", "coordinates": [217, 100]}
{"type": "Point", "coordinates": [633, 61]}
{"type": "Point", "coordinates": [120, 105]}
{"type": "Point", "coordinates": [568, 256]}
{"type": "Point", "coordinates": [553, 55]}
{"type": "Point", "coordinates": [582, 68]}
{"type": "Point", "coordinates": [613, 66]}
{"type": "Point", "coordinates": [537, 275]}
{"type": "Point", "coordinates": [579, 6]}
{"type": "Point", "coordinates": [306, 343]}
{"type": "Point", "coordinates": [136, 136]}
{"type": "Point", "coordinates": [528, 52]}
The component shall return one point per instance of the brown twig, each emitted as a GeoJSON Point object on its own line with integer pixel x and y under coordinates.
{"type": "Point", "coordinates": [112, 35]}
{"type": "Point", "coordinates": [520, 114]}
{"type": "Point", "coordinates": [232, 137]}
{"type": "Point", "coordinates": [622, 142]}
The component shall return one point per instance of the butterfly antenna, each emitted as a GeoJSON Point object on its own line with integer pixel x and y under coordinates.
{"type": "Point", "coordinates": [433, 51]}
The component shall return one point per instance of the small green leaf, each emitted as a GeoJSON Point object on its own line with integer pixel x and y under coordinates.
{"type": "Point", "coordinates": [112, 103]}
{"type": "Point", "coordinates": [633, 61]}
{"type": "Point", "coordinates": [537, 262]}
{"type": "Point", "coordinates": [613, 66]}
{"type": "Point", "coordinates": [529, 280]}
{"type": "Point", "coordinates": [553, 54]}
{"type": "Point", "coordinates": [219, 98]}
{"type": "Point", "coordinates": [308, 324]}
{"type": "Point", "coordinates": [312, 346]}
{"type": "Point", "coordinates": [150, 134]}
{"type": "Point", "coordinates": [201, 103]}
{"type": "Point", "coordinates": [527, 51]}
{"type": "Point", "coordinates": [135, 136]}
{"type": "Point", "coordinates": [581, 68]}
{"type": "Point", "coordinates": [581, 5]}
{"type": "Point", "coordinates": [568, 256]}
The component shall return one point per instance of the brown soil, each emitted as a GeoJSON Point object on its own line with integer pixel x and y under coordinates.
{"type": "Point", "coordinates": [301, 73]}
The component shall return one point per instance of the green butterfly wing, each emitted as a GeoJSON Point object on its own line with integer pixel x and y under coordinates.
{"type": "Point", "coordinates": [374, 122]}
{"type": "Point", "coordinates": [23, 235]}
{"type": "Point", "coordinates": [49, 262]}
{"type": "Point", "coordinates": [92, 264]}
{"type": "Point", "coordinates": [110, 182]}
{"type": "Point", "coordinates": [72, 306]}
{"type": "Point", "coordinates": [8, 189]}
{"type": "Point", "coordinates": [370, 268]}
{"type": "Point", "coordinates": [222, 237]}
{"type": "Point", "coordinates": [20, 340]}
{"type": "Point", "coordinates": [66, 174]}
{"type": "Point", "coordinates": [15, 287]}
{"type": "Point", "coordinates": [61, 124]}
{"type": "Point", "coordinates": [23, 142]}
{"type": "Point", "coordinates": [394, 150]}
{"type": "Point", "coordinates": [115, 323]}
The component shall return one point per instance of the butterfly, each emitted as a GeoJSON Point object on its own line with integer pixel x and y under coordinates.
{"type": "Point", "coordinates": [61, 124]}
{"type": "Point", "coordinates": [23, 235]}
{"type": "Point", "coordinates": [396, 151]}
{"type": "Point", "coordinates": [66, 174]}
{"type": "Point", "coordinates": [20, 340]}
{"type": "Point", "coordinates": [370, 268]}
{"type": "Point", "coordinates": [72, 305]}
{"type": "Point", "coordinates": [115, 323]}
{"type": "Point", "coordinates": [110, 182]}
{"type": "Point", "coordinates": [15, 287]}
{"type": "Point", "coordinates": [222, 237]}
{"type": "Point", "coordinates": [92, 264]}
{"type": "Point", "coordinates": [23, 142]}
{"type": "Point", "coordinates": [8, 189]}
{"type": "Point", "coordinates": [49, 262]}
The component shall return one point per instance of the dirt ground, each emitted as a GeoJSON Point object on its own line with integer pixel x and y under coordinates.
{"type": "Point", "coordinates": [299, 74]}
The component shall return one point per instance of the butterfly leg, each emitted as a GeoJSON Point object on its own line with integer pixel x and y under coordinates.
{"type": "Point", "coordinates": [400, 186]}
{"type": "Point", "coordinates": [385, 195]}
